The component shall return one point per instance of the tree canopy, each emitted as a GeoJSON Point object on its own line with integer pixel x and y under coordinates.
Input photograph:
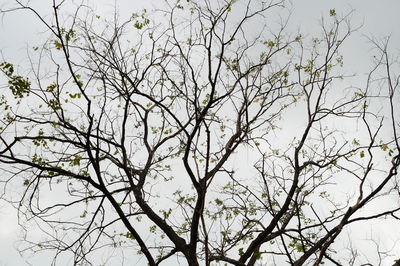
{"type": "Point", "coordinates": [201, 133]}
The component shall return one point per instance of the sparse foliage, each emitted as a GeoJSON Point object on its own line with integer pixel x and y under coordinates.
{"type": "Point", "coordinates": [201, 132]}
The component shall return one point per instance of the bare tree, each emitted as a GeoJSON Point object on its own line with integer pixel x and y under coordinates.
{"type": "Point", "coordinates": [202, 132]}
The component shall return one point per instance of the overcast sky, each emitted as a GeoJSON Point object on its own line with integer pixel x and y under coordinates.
{"type": "Point", "coordinates": [19, 31]}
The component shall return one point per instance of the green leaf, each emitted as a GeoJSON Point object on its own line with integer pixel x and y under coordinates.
{"type": "Point", "coordinates": [299, 248]}
{"type": "Point", "coordinates": [84, 214]}
{"type": "Point", "coordinates": [257, 255]}
{"type": "Point", "coordinates": [153, 229]}
{"type": "Point", "coordinates": [76, 161]}
{"type": "Point", "coordinates": [51, 87]}
{"type": "Point", "coordinates": [17, 84]}
{"type": "Point", "coordinates": [241, 252]}
{"type": "Point", "coordinates": [57, 44]}
{"type": "Point", "coordinates": [54, 104]}
{"type": "Point", "coordinates": [129, 235]}
{"type": "Point", "coordinates": [218, 202]}
{"type": "Point", "coordinates": [270, 44]}
{"type": "Point", "coordinates": [75, 95]}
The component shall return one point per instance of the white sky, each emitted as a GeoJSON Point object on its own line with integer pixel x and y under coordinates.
{"type": "Point", "coordinates": [19, 31]}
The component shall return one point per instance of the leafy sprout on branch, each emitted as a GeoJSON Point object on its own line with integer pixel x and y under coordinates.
{"type": "Point", "coordinates": [203, 132]}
